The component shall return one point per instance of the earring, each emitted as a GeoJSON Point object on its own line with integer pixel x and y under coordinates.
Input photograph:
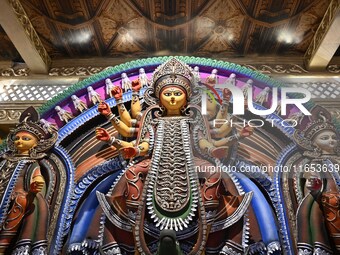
{"type": "Point", "coordinates": [316, 152]}
{"type": "Point", "coordinates": [33, 152]}
{"type": "Point", "coordinates": [183, 109]}
{"type": "Point", "coordinates": [160, 112]}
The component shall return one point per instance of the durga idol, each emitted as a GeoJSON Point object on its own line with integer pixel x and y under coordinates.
{"type": "Point", "coordinates": [162, 203]}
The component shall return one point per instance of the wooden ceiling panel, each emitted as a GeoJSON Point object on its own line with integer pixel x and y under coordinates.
{"type": "Point", "coordinates": [80, 42]}
{"type": "Point", "coordinates": [140, 3]}
{"type": "Point", "coordinates": [108, 28]}
{"type": "Point", "coordinates": [168, 42]}
{"type": "Point", "coordinates": [7, 50]}
{"type": "Point", "coordinates": [94, 5]}
{"type": "Point", "coordinates": [203, 28]}
{"type": "Point", "coordinates": [130, 29]}
{"type": "Point", "coordinates": [217, 30]}
{"type": "Point", "coordinates": [46, 32]}
{"type": "Point", "coordinates": [137, 30]}
{"type": "Point", "coordinates": [221, 11]}
{"type": "Point", "coordinates": [283, 35]}
{"type": "Point", "coordinates": [308, 24]}
{"type": "Point", "coordinates": [127, 41]}
{"type": "Point", "coordinates": [271, 11]}
{"type": "Point", "coordinates": [121, 11]}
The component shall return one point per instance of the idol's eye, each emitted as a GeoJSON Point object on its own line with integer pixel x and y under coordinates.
{"type": "Point", "coordinates": [167, 94]}
{"type": "Point", "coordinates": [324, 137]}
{"type": "Point", "coordinates": [178, 93]}
{"type": "Point", "coordinates": [26, 138]}
{"type": "Point", "coordinates": [16, 138]}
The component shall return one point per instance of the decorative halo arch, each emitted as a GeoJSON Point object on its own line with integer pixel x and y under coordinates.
{"type": "Point", "coordinates": [93, 162]}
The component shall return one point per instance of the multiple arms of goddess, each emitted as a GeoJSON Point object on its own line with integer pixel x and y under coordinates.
{"type": "Point", "coordinates": [126, 125]}
{"type": "Point", "coordinates": [220, 129]}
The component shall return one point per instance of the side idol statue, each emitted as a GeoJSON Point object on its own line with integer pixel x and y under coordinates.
{"type": "Point", "coordinates": [26, 187]}
{"type": "Point", "coordinates": [318, 213]}
{"type": "Point", "coordinates": [166, 202]}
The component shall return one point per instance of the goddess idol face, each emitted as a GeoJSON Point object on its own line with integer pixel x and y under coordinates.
{"type": "Point", "coordinates": [24, 141]}
{"type": "Point", "coordinates": [173, 99]}
{"type": "Point", "coordinates": [326, 141]}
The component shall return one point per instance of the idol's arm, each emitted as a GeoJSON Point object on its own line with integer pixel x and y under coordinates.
{"type": "Point", "coordinates": [119, 125]}
{"type": "Point", "coordinates": [128, 149]}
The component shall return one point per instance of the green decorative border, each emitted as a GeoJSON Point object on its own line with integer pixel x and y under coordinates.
{"type": "Point", "coordinates": [157, 61]}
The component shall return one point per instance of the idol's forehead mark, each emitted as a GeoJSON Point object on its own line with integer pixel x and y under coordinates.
{"type": "Point", "coordinates": [172, 89]}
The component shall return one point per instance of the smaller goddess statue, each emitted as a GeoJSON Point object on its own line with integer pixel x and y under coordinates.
{"type": "Point", "coordinates": [212, 79]}
{"type": "Point", "coordinates": [231, 80]}
{"type": "Point", "coordinates": [49, 127]}
{"type": "Point", "coordinates": [249, 84]}
{"type": "Point", "coordinates": [262, 97]}
{"type": "Point", "coordinates": [196, 75]}
{"type": "Point", "coordinates": [318, 215]}
{"type": "Point", "coordinates": [78, 104]}
{"type": "Point", "coordinates": [278, 107]}
{"type": "Point", "coordinates": [143, 78]}
{"type": "Point", "coordinates": [295, 117]}
{"type": "Point", "coordinates": [24, 229]}
{"type": "Point", "coordinates": [126, 83]}
{"type": "Point", "coordinates": [108, 87]}
{"type": "Point", "coordinates": [63, 114]}
{"type": "Point", "coordinates": [93, 95]}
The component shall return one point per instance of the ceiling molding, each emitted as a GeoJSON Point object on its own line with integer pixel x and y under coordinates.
{"type": "Point", "coordinates": [11, 111]}
{"type": "Point", "coordinates": [14, 72]}
{"type": "Point", "coordinates": [276, 69]}
{"type": "Point", "coordinates": [19, 29]}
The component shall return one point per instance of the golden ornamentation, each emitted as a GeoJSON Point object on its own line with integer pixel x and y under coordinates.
{"type": "Point", "coordinates": [335, 113]}
{"type": "Point", "coordinates": [287, 196]}
{"type": "Point", "coordinates": [327, 20]}
{"type": "Point", "coordinates": [333, 68]}
{"type": "Point", "coordinates": [29, 30]}
{"type": "Point", "coordinates": [54, 216]}
{"type": "Point", "coordinates": [9, 115]}
{"type": "Point", "coordinates": [278, 69]}
{"type": "Point", "coordinates": [90, 70]}
{"type": "Point", "coordinates": [14, 72]}
{"type": "Point", "coordinates": [76, 71]}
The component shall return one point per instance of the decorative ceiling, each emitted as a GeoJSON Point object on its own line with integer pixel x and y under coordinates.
{"type": "Point", "coordinates": [139, 28]}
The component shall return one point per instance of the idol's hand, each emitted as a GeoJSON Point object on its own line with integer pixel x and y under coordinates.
{"type": "Point", "coordinates": [136, 85]}
{"type": "Point", "coordinates": [219, 152]}
{"type": "Point", "coordinates": [102, 135]}
{"type": "Point", "coordinates": [226, 94]}
{"type": "Point", "coordinates": [246, 131]}
{"type": "Point", "coordinates": [117, 92]}
{"type": "Point", "coordinates": [104, 108]}
{"type": "Point", "coordinates": [129, 152]}
{"type": "Point", "coordinates": [37, 184]}
{"type": "Point", "coordinates": [313, 183]}
{"type": "Point", "coordinates": [245, 104]}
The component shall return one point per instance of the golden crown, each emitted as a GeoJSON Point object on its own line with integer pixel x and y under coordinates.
{"type": "Point", "coordinates": [172, 72]}
{"type": "Point", "coordinates": [319, 121]}
{"type": "Point", "coordinates": [315, 127]}
{"type": "Point", "coordinates": [29, 122]}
